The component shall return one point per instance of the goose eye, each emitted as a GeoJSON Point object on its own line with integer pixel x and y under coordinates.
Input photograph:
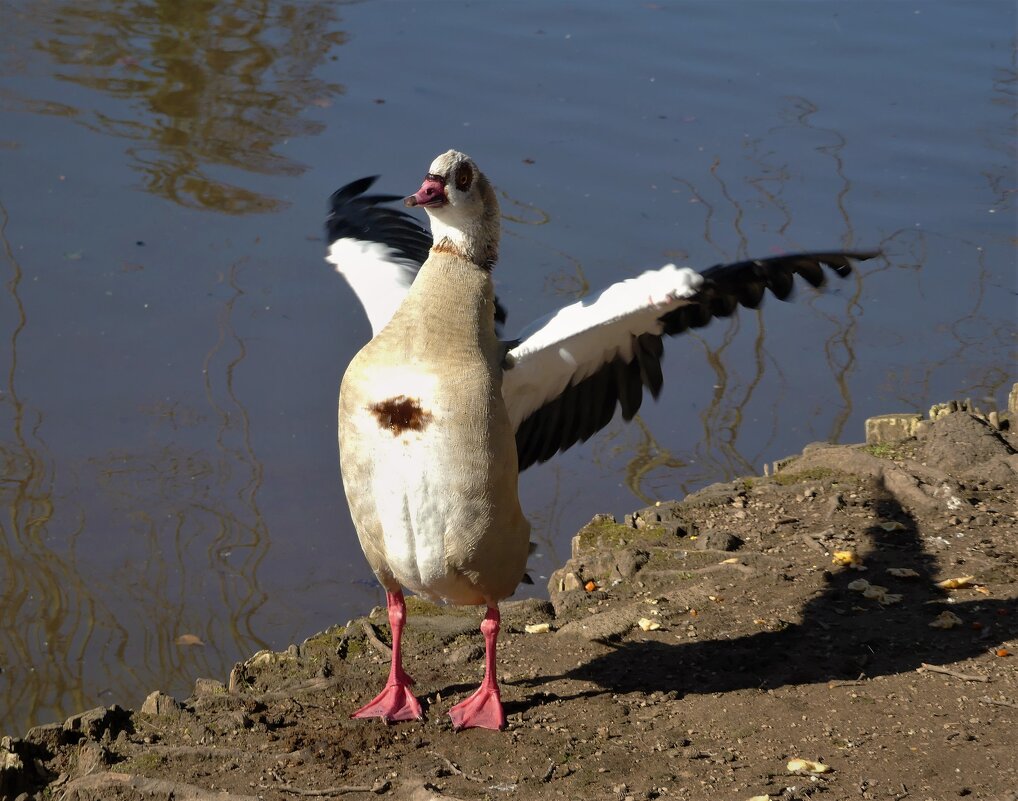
{"type": "Point", "coordinates": [464, 177]}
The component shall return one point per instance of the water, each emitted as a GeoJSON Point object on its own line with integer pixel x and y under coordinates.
{"type": "Point", "coordinates": [174, 341]}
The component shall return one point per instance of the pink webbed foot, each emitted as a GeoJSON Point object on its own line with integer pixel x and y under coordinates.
{"type": "Point", "coordinates": [394, 703]}
{"type": "Point", "coordinates": [482, 710]}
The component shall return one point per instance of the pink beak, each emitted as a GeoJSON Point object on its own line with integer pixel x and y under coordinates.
{"type": "Point", "coordinates": [431, 193]}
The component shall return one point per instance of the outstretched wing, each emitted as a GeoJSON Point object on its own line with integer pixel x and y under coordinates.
{"type": "Point", "coordinates": [376, 248]}
{"type": "Point", "coordinates": [572, 369]}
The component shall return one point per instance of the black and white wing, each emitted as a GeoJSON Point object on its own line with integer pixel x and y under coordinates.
{"type": "Point", "coordinates": [573, 369]}
{"type": "Point", "coordinates": [376, 248]}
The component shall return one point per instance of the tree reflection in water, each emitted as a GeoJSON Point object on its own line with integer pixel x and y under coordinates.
{"type": "Point", "coordinates": [210, 89]}
{"type": "Point", "coordinates": [205, 94]}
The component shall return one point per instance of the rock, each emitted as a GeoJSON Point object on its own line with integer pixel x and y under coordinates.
{"type": "Point", "coordinates": [92, 757]}
{"type": "Point", "coordinates": [231, 721]}
{"type": "Point", "coordinates": [517, 614]}
{"type": "Point", "coordinates": [939, 410]}
{"type": "Point", "coordinates": [1012, 401]}
{"type": "Point", "coordinates": [96, 723]}
{"type": "Point", "coordinates": [105, 785]}
{"type": "Point", "coordinates": [602, 531]}
{"type": "Point", "coordinates": [158, 703]}
{"type": "Point", "coordinates": [21, 767]}
{"type": "Point", "coordinates": [204, 687]}
{"type": "Point", "coordinates": [48, 736]}
{"type": "Point", "coordinates": [465, 654]}
{"type": "Point", "coordinates": [999, 470]}
{"type": "Point", "coordinates": [606, 566]}
{"type": "Point", "coordinates": [668, 518]}
{"type": "Point", "coordinates": [886, 428]}
{"type": "Point", "coordinates": [960, 443]}
{"type": "Point", "coordinates": [419, 791]}
{"type": "Point", "coordinates": [716, 540]}
{"type": "Point", "coordinates": [644, 518]}
{"type": "Point", "coordinates": [629, 561]}
{"type": "Point", "coordinates": [835, 504]}
{"type": "Point", "coordinates": [12, 768]}
{"type": "Point", "coordinates": [565, 589]}
{"type": "Point", "coordinates": [530, 609]}
{"type": "Point", "coordinates": [239, 679]}
{"type": "Point", "coordinates": [606, 626]}
{"type": "Point", "coordinates": [714, 495]}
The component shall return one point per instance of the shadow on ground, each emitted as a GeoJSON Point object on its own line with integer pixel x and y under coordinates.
{"type": "Point", "coordinates": [837, 638]}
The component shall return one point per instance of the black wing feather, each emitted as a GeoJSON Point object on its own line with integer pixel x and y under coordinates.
{"type": "Point", "coordinates": [589, 405]}
{"type": "Point", "coordinates": [358, 216]}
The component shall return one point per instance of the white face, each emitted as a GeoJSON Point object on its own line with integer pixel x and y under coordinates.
{"type": "Point", "coordinates": [449, 192]}
{"type": "Point", "coordinates": [453, 193]}
{"type": "Point", "coordinates": [462, 206]}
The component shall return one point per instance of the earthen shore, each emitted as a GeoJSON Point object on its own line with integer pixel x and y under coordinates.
{"type": "Point", "coordinates": [856, 608]}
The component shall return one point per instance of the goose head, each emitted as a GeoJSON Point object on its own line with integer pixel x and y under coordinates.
{"type": "Point", "coordinates": [462, 207]}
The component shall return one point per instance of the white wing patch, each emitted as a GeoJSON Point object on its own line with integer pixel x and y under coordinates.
{"type": "Point", "coordinates": [567, 346]}
{"type": "Point", "coordinates": [376, 273]}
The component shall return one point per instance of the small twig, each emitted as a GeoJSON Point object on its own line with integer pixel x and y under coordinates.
{"type": "Point", "coordinates": [987, 700]}
{"type": "Point", "coordinates": [209, 752]}
{"type": "Point", "coordinates": [924, 667]}
{"type": "Point", "coordinates": [379, 786]}
{"type": "Point", "coordinates": [316, 684]}
{"type": "Point", "coordinates": [121, 785]}
{"type": "Point", "coordinates": [749, 571]}
{"type": "Point", "coordinates": [549, 772]}
{"type": "Point", "coordinates": [844, 683]}
{"type": "Point", "coordinates": [377, 644]}
{"type": "Point", "coordinates": [457, 771]}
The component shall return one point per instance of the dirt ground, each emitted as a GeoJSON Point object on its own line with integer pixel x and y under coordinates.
{"type": "Point", "coordinates": [694, 649]}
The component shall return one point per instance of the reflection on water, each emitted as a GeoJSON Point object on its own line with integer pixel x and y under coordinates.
{"type": "Point", "coordinates": [59, 620]}
{"type": "Point", "coordinates": [755, 192]}
{"type": "Point", "coordinates": [181, 502]}
{"type": "Point", "coordinates": [972, 333]}
{"type": "Point", "coordinates": [34, 602]}
{"type": "Point", "coordinates": [650, 456]}
{"type": "Point", "coordinates": [654, 472]}
{"type": "Point", "coordinates": [105, 562]}
{"type": "Point", "coordinates": [209, 90]}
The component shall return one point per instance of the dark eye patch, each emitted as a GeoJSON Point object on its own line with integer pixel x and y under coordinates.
{"type": "Point", "coordinates": [464, 177]}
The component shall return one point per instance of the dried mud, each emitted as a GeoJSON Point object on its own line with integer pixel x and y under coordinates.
{"type": "Point", "coordinates": [719, 641]}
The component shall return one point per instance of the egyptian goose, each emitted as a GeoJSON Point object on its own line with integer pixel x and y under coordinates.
{"type": "Point", "coordinates": [437, 415]}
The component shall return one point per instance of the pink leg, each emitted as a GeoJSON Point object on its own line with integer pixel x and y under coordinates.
{"type": "Point", "coordinates": [483, 709]}
{"type": "Point", "coordinates": [395, 702]}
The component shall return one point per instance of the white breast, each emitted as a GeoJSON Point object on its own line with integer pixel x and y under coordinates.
{"type": "Point", "coordinates": [411, 473]}
{"type": "Point", "coordinates": [411, 514]}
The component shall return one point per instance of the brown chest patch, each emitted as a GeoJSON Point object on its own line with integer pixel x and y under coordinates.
{"type": "Point", "coordinates": [447, 247]}
{"type": "Point", "coordinates": [401, 414]}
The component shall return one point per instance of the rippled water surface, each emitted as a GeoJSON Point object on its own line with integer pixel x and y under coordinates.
{"type": "Point", "coordinates": [171, 342]}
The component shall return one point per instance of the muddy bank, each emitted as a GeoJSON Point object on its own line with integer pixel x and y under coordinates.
{"type": "Point", "coordinates": [691, 650]}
